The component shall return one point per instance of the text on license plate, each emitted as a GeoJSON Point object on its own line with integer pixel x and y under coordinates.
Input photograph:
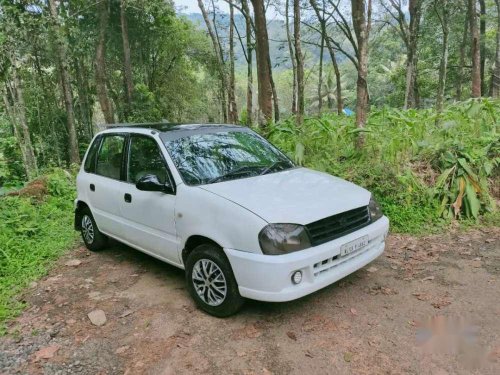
{"type": "Point", "coordinates": [352, 246]}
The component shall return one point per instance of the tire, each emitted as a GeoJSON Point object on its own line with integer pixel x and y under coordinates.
{"type": "Point", "coordinates": [208, 258]}
{"type": "Point", "coordinates": [94, 240]}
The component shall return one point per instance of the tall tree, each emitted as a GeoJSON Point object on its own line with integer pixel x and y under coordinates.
{"type": "Point", "coordinates": [300, 62]}
{"type": "Point", "coordinates": [16, 110]}
{"type": "Point", "coordinates": [361, 21]}
{"type": "Point", "coordinates": [219, 57]}
{"type": "Point", "coordinates": [320, 73]}
{"type": "Point", "coordinates": [127, 65]}
{"type": "Point", "coordinates": [249, 54]}
{"type": "Point", "coordinates": [475, 49]}
{"type": "Point", "coordinates": [331, 50]}
{"type": "Point", "coordinates": [265, 95]}
{"type": "Point", "coordinates": [292, 58]}
{"type": "Point", "coordinates": [445, 26]}
{"type": "Point", "coordinates": [482, 43]}
{"type": "Point", "coordinates": [495, 80]}
{"type": "Point", "coordinates": [463, 45]}
{"type": "Point", "coordinates": [232, 110]}
{"type": "Point", "coordinates": [411, 94]}
{"type": "Point", "coordinates": [409, 33]}
{"type": "Point", "coordinates": [62, 64]}
{"type": "Point", "coordinates": [100, 63]}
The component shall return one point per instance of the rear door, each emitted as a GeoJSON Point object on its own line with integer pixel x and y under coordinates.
{"type": "Point", "coordinates": [105, 184]}
{"type": "Point", "coordinates": [149, 216]}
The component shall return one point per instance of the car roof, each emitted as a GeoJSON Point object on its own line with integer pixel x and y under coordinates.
{"type": "Point", "coordinates": [170, 131]}
{"type": "Point", "coordinates": [167, 126]}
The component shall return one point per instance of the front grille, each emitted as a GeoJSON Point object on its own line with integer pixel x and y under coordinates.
{"type": "Point", "coordinates": [339, 225]}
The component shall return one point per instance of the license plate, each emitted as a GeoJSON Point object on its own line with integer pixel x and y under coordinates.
{"type": "Point", "coordinates": [352, 246]}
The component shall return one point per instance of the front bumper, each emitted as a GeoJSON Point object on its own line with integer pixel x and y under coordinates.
{"type": "Point", "coordinates": [268, 277]}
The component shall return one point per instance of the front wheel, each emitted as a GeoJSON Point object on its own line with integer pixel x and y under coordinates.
{"type": "Point", "coordinates": [211, 281]}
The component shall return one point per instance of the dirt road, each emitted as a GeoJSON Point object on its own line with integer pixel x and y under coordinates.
{"type": "Point", "coordinates": [427, 306]}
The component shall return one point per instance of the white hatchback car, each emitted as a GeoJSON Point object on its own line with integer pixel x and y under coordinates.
{"type": "Point", "coordinates": [228, 207]}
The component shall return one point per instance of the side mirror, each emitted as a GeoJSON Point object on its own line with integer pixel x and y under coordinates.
{"type": "Point", "coordinates": [150, 182]}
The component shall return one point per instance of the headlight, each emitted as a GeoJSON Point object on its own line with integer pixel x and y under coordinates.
{"type": "Point", "coordinates": [277, 239]}
{"type": "Point", "coordinates": [375, 210]}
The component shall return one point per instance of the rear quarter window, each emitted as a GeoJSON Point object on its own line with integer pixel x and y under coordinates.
{"type": "Point", "coordinates": [89, 165]}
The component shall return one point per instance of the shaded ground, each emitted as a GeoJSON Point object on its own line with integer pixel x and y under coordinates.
{"type": "Point", "coordinates": [428, 306]}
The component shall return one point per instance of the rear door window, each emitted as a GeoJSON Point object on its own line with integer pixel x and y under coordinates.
{"type": "Point", "coordinates": [110, 157]}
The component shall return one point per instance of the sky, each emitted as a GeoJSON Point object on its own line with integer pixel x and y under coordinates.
{"type": "Point", "coordinates": [191, 6]}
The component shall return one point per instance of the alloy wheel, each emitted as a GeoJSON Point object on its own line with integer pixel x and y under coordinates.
{"type": "Point", "coordinates": [209, 282]}
{"type": "Point", "coordinates": [87, 229]}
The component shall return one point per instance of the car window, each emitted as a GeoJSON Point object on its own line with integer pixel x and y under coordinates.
{"type": "Point", "coordinates": [109, 159]}
{"type": "Point", "coordinates": [145, 158]}
{"type": "Point", "coordinates": [89, 165]}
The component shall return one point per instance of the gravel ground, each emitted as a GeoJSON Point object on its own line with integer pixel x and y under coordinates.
{"type": "Point", "coordinates": [429, 305]}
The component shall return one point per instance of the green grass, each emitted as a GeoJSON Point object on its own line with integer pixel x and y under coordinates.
{"type": "Point", "coordinates": [32, 235]}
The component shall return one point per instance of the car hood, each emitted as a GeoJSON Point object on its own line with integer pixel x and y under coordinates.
{"type": "Point", "coordinates": [298, 195]}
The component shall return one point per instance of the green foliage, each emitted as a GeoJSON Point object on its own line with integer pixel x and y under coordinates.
{"type": "Point", "coordinates": [33, 233]}
{"type": "Point", "coordinates": [415, 167]}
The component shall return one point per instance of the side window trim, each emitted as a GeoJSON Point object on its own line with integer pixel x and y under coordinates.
{"type": "Point", "coordinates": [158, 148]}
{"type": "Point", "coordinates": [124, 150]}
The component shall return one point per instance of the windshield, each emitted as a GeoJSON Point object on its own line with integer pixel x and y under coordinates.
{"type": "Point", "coordinates": [226, 155]}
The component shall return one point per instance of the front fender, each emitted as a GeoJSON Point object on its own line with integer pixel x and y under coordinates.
{"type": "Point", "coordinates": [200, 212]}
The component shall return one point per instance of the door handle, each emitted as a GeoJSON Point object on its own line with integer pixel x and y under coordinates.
{"type": "Point", "coordinates": [92, 187]}
{"type": "Point", "coordinates": [128, 198]}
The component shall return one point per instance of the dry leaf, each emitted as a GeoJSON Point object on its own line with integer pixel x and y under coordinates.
{"type": "Point", "coordinates": [292, 335]}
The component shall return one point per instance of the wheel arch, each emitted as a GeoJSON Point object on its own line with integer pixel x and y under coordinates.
{"type": "Point", "coordinates": [193, 242]}
{"type": "Point", "coordinates": [80, 206]}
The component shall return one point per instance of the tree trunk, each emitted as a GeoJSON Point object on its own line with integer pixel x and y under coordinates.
{"type": "Point", "coordinates": [83, 95]}
{"type": "Point", "coordinates": [300, 62]}
{"type": "Point", "coordinates": [411, 93]}
{"type": "Point", "coordinates": [361, 20]}
{"type": "Point", "coordinates": [265, 94]}
{"type": "Point", "coordinates": [17, 114]}
{"type": "Point", "coordinates": [444, 57]}
{"type": "Point", "coordinates": [320, 74]}
{"type": "Point", "coordinates": [475, 50]}
{"type": "Point", "coordinates": [273, 89]}
{"type": "Point", "coordinates": [127, 65]}
{"type": "Point", "coordinates": [461, 64]}
{"type": "Point", "coordinates": [100, 64]}
{"type": "Point", "coordinates": [331, 51]}
{"type": "Point", "coordinates": [232, 109]}
{"type": "Point", "coordinates": [219, 58]}
{"type": "Point", "coordinates": [292, 59]}
{"type": "Point", "coordinates": [495, 79]}
{"type": "Point", "coordinates": [248, 28]}
{"type": "Point", "coordinates": [62, 63]}
{"type": "Point", "coordinates": [482, 46]}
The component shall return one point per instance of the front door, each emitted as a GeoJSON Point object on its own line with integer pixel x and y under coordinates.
{"type": "Point", "coordinates": [149, 216]}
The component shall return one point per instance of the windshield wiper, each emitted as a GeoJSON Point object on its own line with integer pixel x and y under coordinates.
{"type": "Point", "coordinates": [274, 166]}
{"type": "Point", "coordinates": [235, 172]}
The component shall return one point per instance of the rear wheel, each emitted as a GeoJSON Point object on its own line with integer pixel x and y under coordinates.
{"type": "Point", "coordinates": [93, 238]}
{"type": "Point", "coordinates": [211, 281]}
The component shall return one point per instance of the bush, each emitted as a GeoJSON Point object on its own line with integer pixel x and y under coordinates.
{"type": "Point", "coordinates": [34, 230]}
